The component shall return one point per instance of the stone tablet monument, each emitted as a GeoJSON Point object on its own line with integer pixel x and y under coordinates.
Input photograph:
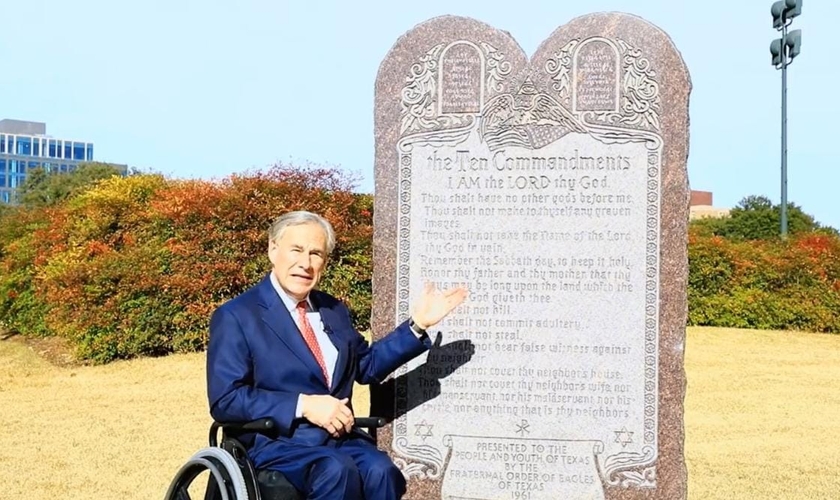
{"type": "Point", "coordinates": [555, 187]}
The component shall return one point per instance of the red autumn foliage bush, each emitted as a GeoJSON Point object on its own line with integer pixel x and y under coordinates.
{"type": "Point", "coordinates": [22, 308]}
{"type": "Point", "coordinates": [765, 284]}
{"type": "Point", "coordinates": [134, 266]}
{"type": "Point", "coordinates": [216, 237]}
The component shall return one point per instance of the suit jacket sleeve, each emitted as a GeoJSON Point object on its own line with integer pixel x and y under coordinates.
{"type": "Point", "coordinates": [378, 359]}
{"type": "Point", "coordinates": [232, 393]}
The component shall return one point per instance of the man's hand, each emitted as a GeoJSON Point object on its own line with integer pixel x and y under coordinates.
{"type": "Point", "coordinates": [329, 413]}
{"type": "Point", "coordinates": [434, 304]}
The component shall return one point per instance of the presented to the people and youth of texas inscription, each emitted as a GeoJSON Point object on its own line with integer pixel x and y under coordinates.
{"type": "Point", "coordinates": [539, 185]}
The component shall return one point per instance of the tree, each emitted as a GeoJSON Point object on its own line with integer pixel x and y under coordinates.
{"type": "Point", "coordinates": [757, 218]}
{"type": "Point", "coordinates": [44, 189]}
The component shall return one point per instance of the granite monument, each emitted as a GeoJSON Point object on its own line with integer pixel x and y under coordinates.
{"type": "Point", "coordinates": [555, 187]}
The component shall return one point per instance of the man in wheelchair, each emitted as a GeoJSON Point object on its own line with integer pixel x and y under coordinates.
{"type": "Point", "coordinates": [287, 352]}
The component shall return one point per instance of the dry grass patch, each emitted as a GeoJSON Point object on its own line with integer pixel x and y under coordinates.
{"type": "Point", "coordinates": [761, 415]}
{"type": "Point", "coordinates": [114, 431]}
{"type": "Point", "coordinates": [119, 431]}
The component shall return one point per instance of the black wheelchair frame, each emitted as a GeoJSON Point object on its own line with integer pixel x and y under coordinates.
{"type": "Point", "coordinates": [232, 473]}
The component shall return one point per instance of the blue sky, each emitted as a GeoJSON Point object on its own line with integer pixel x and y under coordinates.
{"type": "Point", "coordinates": [203, 89]}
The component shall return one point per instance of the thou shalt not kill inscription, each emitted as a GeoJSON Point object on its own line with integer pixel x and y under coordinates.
{"type": "Point", "coordinates": [539, 184]}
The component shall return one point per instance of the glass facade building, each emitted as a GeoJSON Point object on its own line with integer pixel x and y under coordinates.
{"type": "Point", "coordinates": [25, 146]}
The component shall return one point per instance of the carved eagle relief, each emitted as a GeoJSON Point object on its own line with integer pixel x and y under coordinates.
{"type": "Point", "coordinates": [528, 120]}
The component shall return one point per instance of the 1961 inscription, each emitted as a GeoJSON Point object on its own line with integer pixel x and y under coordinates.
{"type": "Point", "coordinates": [531, 469]}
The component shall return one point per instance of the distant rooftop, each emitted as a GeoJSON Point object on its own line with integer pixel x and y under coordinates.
{"type": "Point", "coordinates": [21, 127]}
{"type": "Point", "coordinates": [702, 206]}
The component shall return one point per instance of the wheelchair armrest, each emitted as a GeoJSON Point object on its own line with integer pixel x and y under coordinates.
{"type": "Point", "coordinates": [261, 426]}
{"type": "Point", "coordinates": [370, 422]}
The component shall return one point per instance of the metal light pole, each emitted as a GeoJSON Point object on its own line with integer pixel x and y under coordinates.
{"type": "Point", "coordinates": [784, 50]}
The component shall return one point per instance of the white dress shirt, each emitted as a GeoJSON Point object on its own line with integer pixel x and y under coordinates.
{"type": "Point", "coordinates": [328, 350]}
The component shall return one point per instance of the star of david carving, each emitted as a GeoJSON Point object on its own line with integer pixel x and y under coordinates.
{"type": "Point", "coordinates": [424, 430]}
{"type": "Point", "coordinates": [522, 428]}
{"type": "Point", "coordinates": [623, 437]}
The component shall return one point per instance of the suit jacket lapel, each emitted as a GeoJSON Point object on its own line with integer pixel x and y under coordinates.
{"type": "Point", "coordinates": [279, 321]}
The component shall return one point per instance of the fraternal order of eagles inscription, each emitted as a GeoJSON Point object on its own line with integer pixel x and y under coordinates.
{"type": "Point", "coordinates": [539, 185]}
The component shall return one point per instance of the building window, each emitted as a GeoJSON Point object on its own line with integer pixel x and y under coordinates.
{"type": "Point", "coordinates": [68, 150]}
{"type": "Point", "coordinates": [53, 149]}
{"type": "Point", "coordinates": [89, 156]}
{"type": "Point", "coordinates": [16, 166]}
{"type": "Point", "coordinates": [36, 147]}
{"type": "Point", "coordinates": [2, 143]}
{"type": "Point", "coordinates": [24, 146]}
{"type": "Point", "coordinates": [79, 151]}
{"type": "Point", "coordinates": [4, 196]}
{"type": "Point", "coordinates": [2, 165]}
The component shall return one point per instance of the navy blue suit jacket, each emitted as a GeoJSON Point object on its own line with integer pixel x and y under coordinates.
{"type": "Point", "coordinates": [258, 363]}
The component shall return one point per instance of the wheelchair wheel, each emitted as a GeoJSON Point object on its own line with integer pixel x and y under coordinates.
{"type": "Point", "coordinates": [223, 470]}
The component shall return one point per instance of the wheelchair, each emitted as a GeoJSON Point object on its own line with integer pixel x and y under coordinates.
{"type": "Point", "coordinates": [232, 473]}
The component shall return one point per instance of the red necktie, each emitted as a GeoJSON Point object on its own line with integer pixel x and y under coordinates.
{"type": "Point", "coordinates": [311, 341]}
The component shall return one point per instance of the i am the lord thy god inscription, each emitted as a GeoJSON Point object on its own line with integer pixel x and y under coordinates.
{"type": "Point", "coordinates": [540, 186]}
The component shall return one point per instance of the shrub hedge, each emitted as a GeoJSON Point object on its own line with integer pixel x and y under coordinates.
{"type": "Point", "coordinates": [789, 284]}
{"type": "Point", "coordinates": [134, 266]}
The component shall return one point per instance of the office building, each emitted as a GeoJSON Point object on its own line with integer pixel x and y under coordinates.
{"type": "Point", "coordinates": [25, 146]}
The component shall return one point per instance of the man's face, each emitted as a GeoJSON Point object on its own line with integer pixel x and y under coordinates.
{"type": "Point", "coordinates": [299, 256]}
